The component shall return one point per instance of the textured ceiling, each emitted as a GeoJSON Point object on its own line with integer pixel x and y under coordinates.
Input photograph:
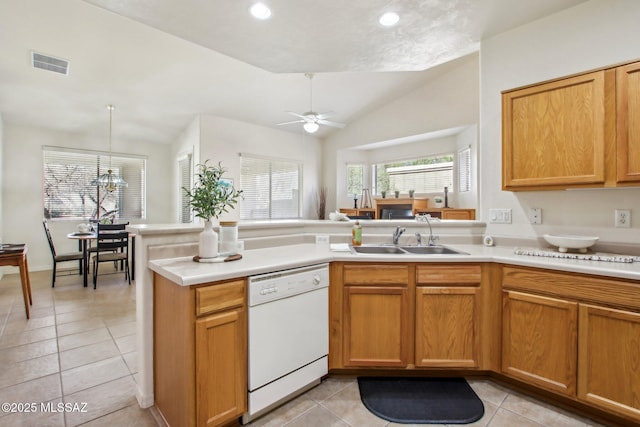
{"type": "Point", "coordinates": [208, 57]}
{"type": "Point", "coordinates": [337, 35]}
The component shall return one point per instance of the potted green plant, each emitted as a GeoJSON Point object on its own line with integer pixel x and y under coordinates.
{"type": "Point", "coordinates": [210, 197]}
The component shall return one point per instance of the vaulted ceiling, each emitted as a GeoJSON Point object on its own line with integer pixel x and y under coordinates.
{"type": "Point", "coordinates": [162, 62]}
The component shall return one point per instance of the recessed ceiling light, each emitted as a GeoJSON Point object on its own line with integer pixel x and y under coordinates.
{"type": "Point", "coordinates": [389, 19]}
{"type": "Point", "coordinates": [260, 11]}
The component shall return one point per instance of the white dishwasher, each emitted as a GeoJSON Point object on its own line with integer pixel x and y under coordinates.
{"type": "Point", "coordinates": [288, 335]}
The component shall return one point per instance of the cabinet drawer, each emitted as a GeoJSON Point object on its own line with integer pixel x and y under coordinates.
{"type": "Point", "coordinates": [372, 275]}
{"type": "Point", "coordinates": [449, 274]}
{"type": "Point", "coordinates": [214, 298]}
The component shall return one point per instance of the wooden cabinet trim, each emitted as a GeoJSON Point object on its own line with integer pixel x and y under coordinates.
{"type": "Point", "coordinates": [375, 275]}
{"type": "Point", "coordinates": [466, 275]}
{"type": "Point", "coordinates": [623, 294]}
{"type": "Point", "coordinates": [220, 296]}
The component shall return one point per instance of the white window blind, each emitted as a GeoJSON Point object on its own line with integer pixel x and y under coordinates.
{"type": "Point", "coordinates": [184, 181]}
{"type": "Point", "coordinates": [271, 188]}
{"type": "Point", "coordinates": [355, 179]}
{"type": "Point", "coordinates": [69, 194]}
{"type": "Point", "coordinates": [423, 175]}
{"type": "Point", "coordinates": [464, 170]}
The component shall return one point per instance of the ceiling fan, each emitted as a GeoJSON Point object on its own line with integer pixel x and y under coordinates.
{"type": "Point", "coordinates": [311, 119]}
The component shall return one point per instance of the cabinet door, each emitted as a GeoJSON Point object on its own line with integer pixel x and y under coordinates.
{"type": "Point", "coordinates": [221, 367]}
{"type": "Point", "coordinates": [609, 359]}
{"type": "Point", "coordinates": [446, 319]}
{"type": "Point", "coordinates": [375, 326]}
{"type": "Point", "coordinates": [539, 341]}
{"type": "Point", "coordinates": [628, 123]}
{"type": "Point", "coordinates": [554, 134]}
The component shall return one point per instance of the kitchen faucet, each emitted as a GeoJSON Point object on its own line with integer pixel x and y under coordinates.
{"type": "Point", "coordinates": [397, 234]}
{"type": "Point", "coordinates": [432, 238]}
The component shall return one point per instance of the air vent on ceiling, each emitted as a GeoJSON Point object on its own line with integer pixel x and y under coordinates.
{"type": "Point", "coordinates": [50, 63]}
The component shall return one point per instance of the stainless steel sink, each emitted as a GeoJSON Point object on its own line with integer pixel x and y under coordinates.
{"type": "Point", "coordinates": [405, 250]}
{"type": "Point", "coordinates": [432, 250]}
{"type": "Point", "coordinates": [377, 250]}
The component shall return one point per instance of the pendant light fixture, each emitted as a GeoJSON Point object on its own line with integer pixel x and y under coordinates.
{"type": "Point", "coordinates": [109, 181]}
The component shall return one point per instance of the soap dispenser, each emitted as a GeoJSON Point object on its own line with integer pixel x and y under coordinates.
{"type": "Point", "coordinates": [356, 234]}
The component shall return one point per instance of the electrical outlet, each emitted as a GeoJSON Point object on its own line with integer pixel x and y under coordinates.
{"type": "Point", "coordinates": [500, 216]}
{"type": "Point", "coordinates": [535, 216]}
{"type": "Point", "coordinates": [322, 239]}
{"type": "Point", "coordinates": [623, 218]}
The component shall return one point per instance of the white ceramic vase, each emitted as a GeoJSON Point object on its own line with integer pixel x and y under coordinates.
{"type": "Point", "coordinates": [208, 242]}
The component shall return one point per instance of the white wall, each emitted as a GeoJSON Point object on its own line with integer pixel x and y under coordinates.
{"type": "Point", "coordinates": [187, 142]}
{"type": "Point", "coordinates": [591, 35]}
{"type": "Point", "coordinates": [22, 208]}
{"type": "Point", "coordinates": [449, 101]}
{"type": "Point", "coordinates": [222, 139]}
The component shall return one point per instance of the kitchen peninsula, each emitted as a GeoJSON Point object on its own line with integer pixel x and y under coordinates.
{"type": "Point", "coordinates": [496, 276]}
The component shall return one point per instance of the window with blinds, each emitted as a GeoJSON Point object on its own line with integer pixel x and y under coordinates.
{"type": "Point", "coordinates": [423, 175]}
{"type": "Point", "coordinates": [355, 179]}
{"type": "Point", "coordinates": [69, 194]}
{"type": "Point", "coordinates": [185, 173]}
{"type": "Point", "coordinates": [271, 188]}
{"type": "Point", "coordinates": [464, 170]}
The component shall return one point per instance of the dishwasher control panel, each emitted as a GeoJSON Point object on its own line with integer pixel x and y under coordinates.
{"type": "Point", "coordinates": [282, 284]}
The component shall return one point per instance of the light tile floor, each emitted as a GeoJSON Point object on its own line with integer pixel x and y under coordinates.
{"type": "Point", "coordinates": [78, 349]}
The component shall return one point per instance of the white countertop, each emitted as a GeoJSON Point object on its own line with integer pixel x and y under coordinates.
{"type": "Point", "coordinates": [186, 272]}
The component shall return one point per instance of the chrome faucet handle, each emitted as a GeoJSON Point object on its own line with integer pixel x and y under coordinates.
{"type": "Point", "coordinates": [419, 239]}
{"type": "Point", "coordinates": [433, 239]}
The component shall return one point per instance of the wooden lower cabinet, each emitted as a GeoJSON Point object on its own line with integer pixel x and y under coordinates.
{"type": "Point", "coordinates": [447, 315]}
{"type": "Point", "coordinates": [376, 326]}
{"type": "Point", "coordinates": [539, 341]}
{"type": "Point", "coordinates": [609, 359]}
{"type": "Point", "coordinates": [221, 370]}
{"type": "Point", "coordinates": [446, 324]}
{"type": "Point", "coordinates": [200, 352]}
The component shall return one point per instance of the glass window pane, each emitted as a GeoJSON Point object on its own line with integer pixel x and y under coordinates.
{"type": "Point", "coordinates": [68, 192]}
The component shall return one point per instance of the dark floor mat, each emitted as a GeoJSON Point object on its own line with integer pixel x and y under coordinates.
{"type": "Point", "coordinates": [421, 400]}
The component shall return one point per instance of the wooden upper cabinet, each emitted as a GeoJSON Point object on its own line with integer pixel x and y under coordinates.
{"type": "Point", "coordinates": [553, 134]}
{"type": "Point", "coordinates": [628, 123]}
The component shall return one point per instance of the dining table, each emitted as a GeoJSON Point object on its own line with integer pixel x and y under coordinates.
{"type": "Point", "coordinates": [84, 243]}
{"type": "Point", "coordinates": [16, 255]}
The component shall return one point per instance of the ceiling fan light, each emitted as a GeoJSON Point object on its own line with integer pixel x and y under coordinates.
{"type": "Point", "coordinates": [260, 11]}
{"type": "Point", "coordinates": [389, 19]}
{"type": "Point", "coordinates": [311, 127]}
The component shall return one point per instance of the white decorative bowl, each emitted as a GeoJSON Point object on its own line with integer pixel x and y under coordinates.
{"type": "Point", "coordinates": [565, 242]}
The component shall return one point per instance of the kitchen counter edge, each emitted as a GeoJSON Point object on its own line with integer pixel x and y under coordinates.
{"type": "Point", "coordinates": [185, 272]}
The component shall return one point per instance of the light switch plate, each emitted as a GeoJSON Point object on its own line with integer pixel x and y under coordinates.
{"type": "Point", "coordinates": [500, 216]}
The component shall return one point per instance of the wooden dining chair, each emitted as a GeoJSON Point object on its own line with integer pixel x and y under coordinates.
{"type": "Point", "coordinates": [71, 256]}
{"type": "Point", "coordinates": [111, 246]}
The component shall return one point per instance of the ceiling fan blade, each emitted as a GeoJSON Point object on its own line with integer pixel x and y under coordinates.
{"type": "Point", "coordinates": [332, 124]}
{"type": "Point", "coordinates": [290, 123]}
{"type": "Point", "coordinates": [296, 114]}
{"type": "Point", "coordinates": [325, 115]}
